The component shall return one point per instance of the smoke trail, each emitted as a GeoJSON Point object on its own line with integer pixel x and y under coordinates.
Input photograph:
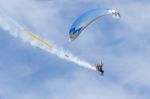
{"type": "Point", "coordinates": [16, 30]}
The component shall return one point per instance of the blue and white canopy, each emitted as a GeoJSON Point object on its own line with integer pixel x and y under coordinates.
{"type": "Point", "coordinates": [87, 18]}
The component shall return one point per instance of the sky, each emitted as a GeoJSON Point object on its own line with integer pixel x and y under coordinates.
{"type": "Point", "coordinates": [27, 72]}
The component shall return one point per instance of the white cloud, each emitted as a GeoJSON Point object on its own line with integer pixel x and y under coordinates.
{"type": "Point", "coordinates": [126, 60]}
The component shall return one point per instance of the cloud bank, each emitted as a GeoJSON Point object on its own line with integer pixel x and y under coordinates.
{"type": "Point", "coordinates": [123, 46]}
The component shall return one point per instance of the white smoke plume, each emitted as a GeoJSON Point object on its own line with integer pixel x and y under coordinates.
{"type": "Point", "coordinates": [17, 31]}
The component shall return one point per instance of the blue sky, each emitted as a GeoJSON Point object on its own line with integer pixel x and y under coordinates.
{"type": "Point", "coordinates": [28, 72]}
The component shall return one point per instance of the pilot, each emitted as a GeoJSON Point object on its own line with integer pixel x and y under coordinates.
{"type": "Point", "coordinates": [99, 67]}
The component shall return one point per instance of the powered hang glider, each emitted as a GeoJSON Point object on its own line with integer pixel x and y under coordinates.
{"type": "Point", "coordinates": [87, 18]}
